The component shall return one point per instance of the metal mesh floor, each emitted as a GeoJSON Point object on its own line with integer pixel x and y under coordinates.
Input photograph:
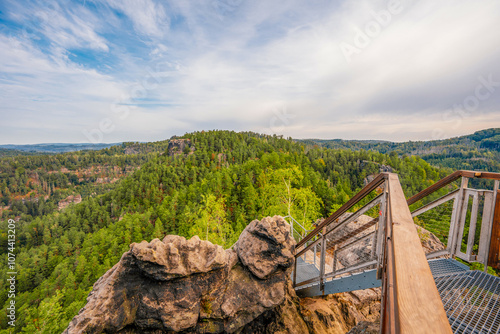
{"type": "Point", "coordinates": [443, 267]}
{"type": "Point", "coordinates": [306, 271]}
{"type": "Point", "coordinates": [471, 299]}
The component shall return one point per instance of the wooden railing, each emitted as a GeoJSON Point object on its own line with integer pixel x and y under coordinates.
{"type": "Point", "coordinates": [488, 251]}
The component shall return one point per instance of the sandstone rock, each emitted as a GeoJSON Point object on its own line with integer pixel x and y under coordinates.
{"type": "Point", "coordinates": [265, 246]}
{"type": "Point", "coordinates": [366, 327]}
{"type": "Point", "coordinates": [190, 286]}
{"type": "Point", "coordinates": [338, 313]}
{"type": "Point", "coordinates": [358, 252]}
{"type": "Point", "coordinates": [283, 319]}
{"type": "Point", "coordinates": [178, 146]}
{"type": "Point", "coordinates": [429, 241]}
{"type": "Point", "coordinates": [177, 257]}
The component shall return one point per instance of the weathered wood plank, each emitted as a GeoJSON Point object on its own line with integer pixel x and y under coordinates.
{"type": "Point", "coordinates": [435, 203]}
{"type": "Point", "coordinates": [449, 179]}
{"type": "Point", "coordinates": [494, 254]}
{"type": "Point", "coordinates": [472, 225]}
{"type": "Point", "coordinates": [436, 186]}
{"type": "Point", "coordinates": [455, 217]}
{"type": "Point", "coordinates": [484, 236]}
{"type": "Point", "coordinates": [480, 175]}
{"type": "Point", "coordinates": [419, 306]}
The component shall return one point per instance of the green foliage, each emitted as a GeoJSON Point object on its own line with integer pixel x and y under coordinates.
{"type": "Point", "coordinates": [31, 185]}
{"type": "Point", "coordinates": [212, 224]}
{"type": "Point", "coordinates": [282, 193]}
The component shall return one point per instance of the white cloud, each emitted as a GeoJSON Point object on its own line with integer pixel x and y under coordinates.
{"type": "Point", "coordinates": [66, 26]}
{"type": "Point", "coordinates": [235, 64]}
{"type": "Point", "coordinates": [424, 61]}
{"type": "Point", "coordinates": [149, 18]}
{"type": "Point", "coordinates": [49, 99]}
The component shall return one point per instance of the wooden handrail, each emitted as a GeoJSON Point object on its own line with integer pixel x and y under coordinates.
{"type": "Point", "coordinates": [379, 179]}
{"type": "Point", "coordinates": [412, 303]}
{"type": "Point", "coordinates": [449, 179]}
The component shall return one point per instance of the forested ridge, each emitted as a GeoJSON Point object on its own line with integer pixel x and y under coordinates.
{"type": "Point", "coordinates": [214, 192]}
{"type": "Point", "coordinates": [33, 185]}
{"type": "Point", "coordinates": [478, 151]}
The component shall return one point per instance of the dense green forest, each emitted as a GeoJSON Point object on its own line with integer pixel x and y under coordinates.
{"type": "Point", "coordinates": [479, 151]}
{"type": "Point", "coordinates": [214, 190]}
{"type": "Point", "coordinates": [33, 185]}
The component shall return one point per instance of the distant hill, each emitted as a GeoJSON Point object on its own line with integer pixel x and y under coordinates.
{"type": "Point", "coordinates": [4, 152]}
{"type": "Point", "coordinates": [53, 147]}
{"type": "Point", "coordinates": [478, 151]}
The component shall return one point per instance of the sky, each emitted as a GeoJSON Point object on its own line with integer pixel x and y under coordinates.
{"type": "Point", "coordinates": [106, 71]}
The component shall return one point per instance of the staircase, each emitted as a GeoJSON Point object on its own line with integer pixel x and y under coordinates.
{"type": "Point", "coordinates": [422, 292]}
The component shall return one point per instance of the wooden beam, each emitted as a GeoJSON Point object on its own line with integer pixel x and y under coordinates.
{"type": "Point", "coordinates": [494, 253]}
{"type": "Point", "coordinates": [435, 203]}
{"type": "Point", "coordinates": [449, 179]}
{"type": "Point", "coordinates": [480, 175]}
{"type": "Point", "coordinates": [436, 186]}
{"type": "Point", "coordinates": [418, 304]}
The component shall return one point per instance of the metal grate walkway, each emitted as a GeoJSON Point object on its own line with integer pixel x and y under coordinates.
{"type": "Point", "coordinates": [306, 271]}
{"type": "Point", "coordinates": [444, 267]}
{"type": "Point", "coordinates": [471, 298]}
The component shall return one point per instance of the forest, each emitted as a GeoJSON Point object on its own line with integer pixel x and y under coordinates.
{"type": "Point", "coordinates": [212, 189]}
{"type": "Point", "coordinates": [478, 151]}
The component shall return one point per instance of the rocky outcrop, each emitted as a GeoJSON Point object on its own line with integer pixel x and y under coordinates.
{"type": "Point", "coordinates": [68, 200]}
{"type": "Point", "coordinates": [192, 286]}
{"type": "Point", "coordinates": [381, 169]}
{"type": "Point", "coordinates": [365, 327]}
{"type": "Point", "coordinates": [339, 313]}
{"type": "Point", "coordinates": [180, 146]}
{"type": "Point", "coordinates": [430, 243]}
{"type": "Point", "coordinates": [332, 314]}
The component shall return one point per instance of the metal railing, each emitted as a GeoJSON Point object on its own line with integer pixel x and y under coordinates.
{"type": "Point", "coordinates": [297, 230]}
{"type": "Point", "coordinates": [342, 233]}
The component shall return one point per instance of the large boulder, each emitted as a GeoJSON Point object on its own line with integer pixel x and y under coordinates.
{"type": "Point", "coordinates": [266, 246]}
{"type": "Point", "coordinates": [177, 257]}
{"type": "Point", "coordinates": [339, 313]}
{"type": "Point", "coordinates": [179, 285]}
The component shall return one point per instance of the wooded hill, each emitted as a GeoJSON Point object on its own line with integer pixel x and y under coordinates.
{"type": "Point", "coordinates": [478, 151]}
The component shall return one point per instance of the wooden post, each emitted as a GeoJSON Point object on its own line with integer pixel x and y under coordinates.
{"type": "Point", "coordinates": [494, 253]}
{"type": "Point", "coordinates": [472, 227]}
{"type": "Point", "coordinates": [455, 218]}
